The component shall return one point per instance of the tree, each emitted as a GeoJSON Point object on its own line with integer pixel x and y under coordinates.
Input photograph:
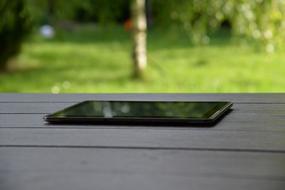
{"type": "Point", "coordinates": [14, 27]}
{"type": "Point", "coordinates": [260, 20]}
{"type": "Point", "coordinates": [139, 37]}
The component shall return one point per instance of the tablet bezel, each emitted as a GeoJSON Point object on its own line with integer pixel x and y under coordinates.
{"type": "Point", "coordinates": [211, 120]}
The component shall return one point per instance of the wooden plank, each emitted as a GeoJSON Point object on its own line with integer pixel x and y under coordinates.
{"type": "Point", "coordinates": [49, 168]}
{"type": "Point", "coordinates": [245, 98]}
{"type": "Point", "coordinates": [91, 181]}
{"type": "Point", "coordinates": [145, 138]}
{"type": "Point", "coordinates": [235, 121]}
{"type": "Point", "coordinates": [245, 117]}
{"type": "Point", "coordinates": [276, 109]}
{"type": "Point", "coordinates": [25, 108]}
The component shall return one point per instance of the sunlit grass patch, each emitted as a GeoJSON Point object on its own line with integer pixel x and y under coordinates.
{"type": "Point", "coordinates": [95, 59]}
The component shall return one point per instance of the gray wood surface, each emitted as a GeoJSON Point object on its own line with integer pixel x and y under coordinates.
{"type": "Point", "coordinates": [149, 138]}
{"type": "Point", "coordinates": [235, 121]}
{"type": "Point", "coordinates": [245, 98]}
{"type": "Point", "coordinates": [39, 107]}
{"type": "Point", "coordinates": [120, 169]}
{"type": "Point", "coordinates": [246, 150]}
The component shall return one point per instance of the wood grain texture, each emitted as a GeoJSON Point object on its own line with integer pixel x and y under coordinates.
{"type": "Point", "coordinates": [50, 168]}
{"type": "Point", "coordinates": [145, 138]}
{"type": "Point", "coordinates": [245, 117]}
{"type": "Point", "coordinates": [235, 121]}
{"type": "Point", "coordinates": [38, 107]}
{"type": "Point", "coordinates": [246, 150]}
{"type": "Point", "coordinates": [24, 108]}
{"type": "Point", "coordinates": [243, 98]}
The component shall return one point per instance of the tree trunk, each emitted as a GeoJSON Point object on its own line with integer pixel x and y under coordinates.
{"type": "Point", "coordinates": [139, 37]}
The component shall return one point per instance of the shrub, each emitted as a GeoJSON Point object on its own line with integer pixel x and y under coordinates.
{"type": "Point", "coordinates": [260, 20]}
{"type": "Point", "coordinates": [14, 27]}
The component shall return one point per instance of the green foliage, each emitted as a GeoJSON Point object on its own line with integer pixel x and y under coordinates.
{"type": "Point", "coordinates": [14, 26]}
{"type": "Point", "coordinates": [102, 11]}
{"type": "Point", "coordinates": [258, 20]}
{"type": "Point", "coordinates": [108, 10]}
{"type": "Point", "coordinates": [261, 20]}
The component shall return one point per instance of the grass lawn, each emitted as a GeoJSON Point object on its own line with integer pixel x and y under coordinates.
{"type": "Point", "coordinates": [95, 59]}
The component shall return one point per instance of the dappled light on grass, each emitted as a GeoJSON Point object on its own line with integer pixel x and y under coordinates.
{"type": "Point", "coordinates": [98, 60]}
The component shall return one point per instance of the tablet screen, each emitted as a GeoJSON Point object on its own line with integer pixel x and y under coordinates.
{"type": "Point", "coordinates": [141, 109]}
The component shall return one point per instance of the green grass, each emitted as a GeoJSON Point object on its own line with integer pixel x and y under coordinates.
{"type": "Point", "coordinates": [94, 59]}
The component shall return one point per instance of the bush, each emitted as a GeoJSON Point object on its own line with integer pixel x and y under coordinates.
{"type": "Point", "coordinates": [260, 20]}
{"type": "Point", "coordinates": [14, 27]}
{"type": "Point", "coordinates": [99, 11]}
{"type": "Point", "coordinates": [104, 11]}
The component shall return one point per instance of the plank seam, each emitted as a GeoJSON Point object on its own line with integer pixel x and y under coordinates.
{"type": "Point", "coordinates": [146, 148]}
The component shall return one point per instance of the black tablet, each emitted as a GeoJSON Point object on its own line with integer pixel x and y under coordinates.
{"type": "Point", "coordinates": [141, 113]}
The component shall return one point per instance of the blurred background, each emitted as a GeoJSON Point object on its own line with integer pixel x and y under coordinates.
{"type": "Point", "coordinates": [93, 46]}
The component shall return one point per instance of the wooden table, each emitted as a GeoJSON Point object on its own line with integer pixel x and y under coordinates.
{"type": "Point", "coordinates": [246, 150]}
